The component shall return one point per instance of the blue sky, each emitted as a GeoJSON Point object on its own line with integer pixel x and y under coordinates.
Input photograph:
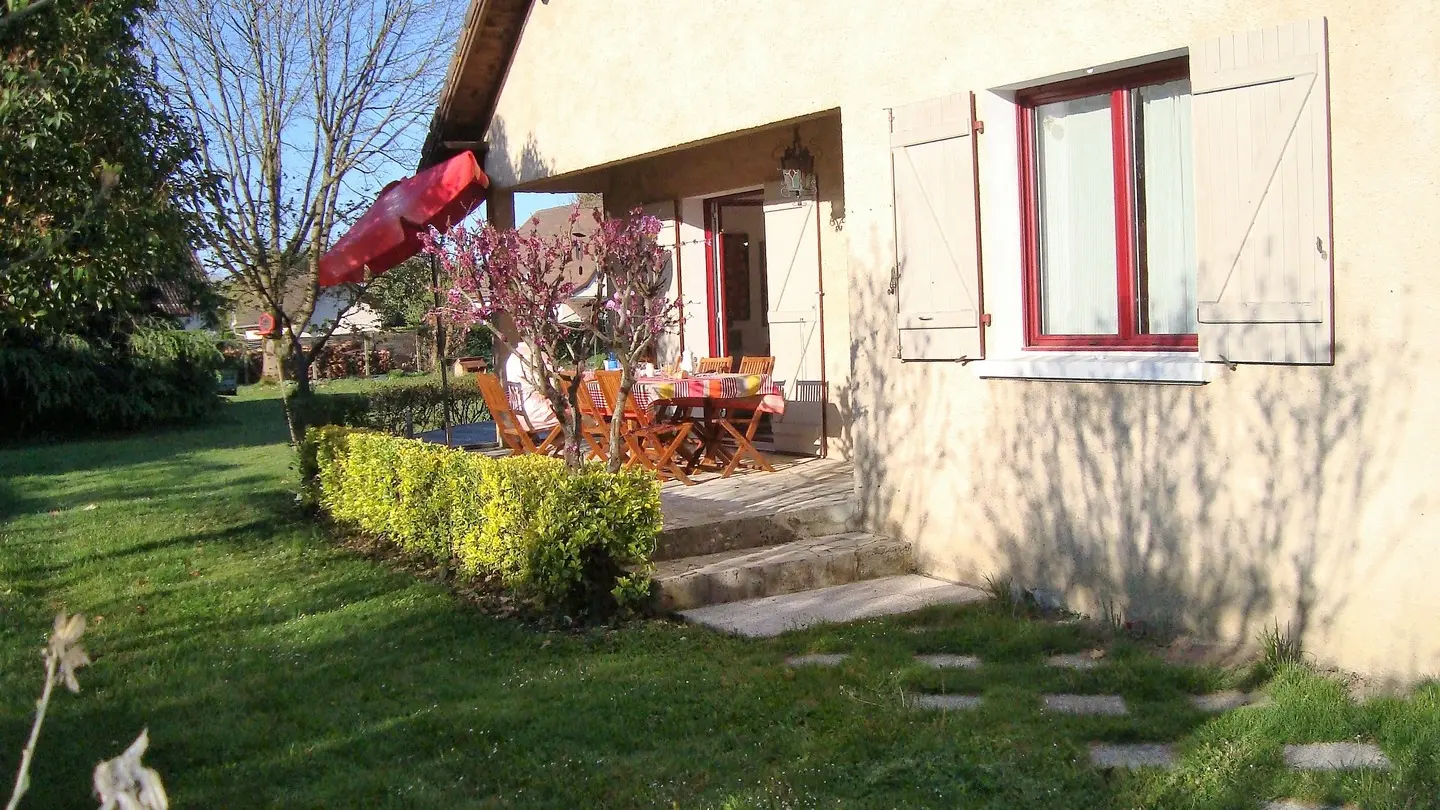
{"type": "Point", "coordinates": [527, 204]}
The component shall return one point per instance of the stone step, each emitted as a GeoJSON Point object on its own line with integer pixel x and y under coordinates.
{"type": "Point", "coordinates": [692, 535]}
{"type": "Point", "coordinates": [802, 564]}
{"type": "Point", "coordinates": [773, 615]}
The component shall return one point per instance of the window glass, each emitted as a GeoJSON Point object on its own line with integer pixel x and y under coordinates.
{"type": "Point", "coordinates": [1168, 208]}
{"type": "Point", "coordinates": [1076, 199]}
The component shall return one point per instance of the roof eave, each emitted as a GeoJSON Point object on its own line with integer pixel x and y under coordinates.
{"type": "Point", "coordinates": [496, 24]}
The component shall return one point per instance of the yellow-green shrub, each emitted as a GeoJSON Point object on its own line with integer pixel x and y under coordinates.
{"type": "Point", "coordinates": [572, 541]}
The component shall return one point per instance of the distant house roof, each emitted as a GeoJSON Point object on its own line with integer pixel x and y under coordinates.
{"type": "Point", "coordinates": [556, 221]}
{"type": "Point", "coordinates": [177, 297]}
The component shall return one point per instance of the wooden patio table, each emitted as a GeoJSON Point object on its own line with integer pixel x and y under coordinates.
{"type": "Point", "coordinates": [712, 403]}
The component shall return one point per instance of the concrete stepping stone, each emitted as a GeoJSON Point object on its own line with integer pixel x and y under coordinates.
{"type": "Point", "coordinates": [1335, 756]}
{"type": "Point", "coordinates": [948, 661]}
{"type": "Point", "coordinates": [1110, 705]}
{"type": "Point", "coordinates": [817, 660]}
{"type": "Point", "coordinates": [1139, 755]}
{"type": "Point", "coordinates": [1289, 805]}
{"type": "Point", "coordinates": [947, 702]}
{"type": "Point", "coordinates": [1078, 661]}
{"type": "Point", "coordinates": [1225, 701]}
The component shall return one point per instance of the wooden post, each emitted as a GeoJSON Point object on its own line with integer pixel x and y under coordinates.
{"type": "Point", "coordinates": [440, 352]}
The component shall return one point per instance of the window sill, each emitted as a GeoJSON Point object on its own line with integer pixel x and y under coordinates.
{"type": "Point", "coordinates": [1182, 368]}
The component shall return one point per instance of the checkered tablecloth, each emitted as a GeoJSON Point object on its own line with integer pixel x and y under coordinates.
{"type": "Point", "coordinates": [650, 391]}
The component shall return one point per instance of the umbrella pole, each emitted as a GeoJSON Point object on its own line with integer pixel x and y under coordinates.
{"type": "Point", "coordinates": [440, 352]}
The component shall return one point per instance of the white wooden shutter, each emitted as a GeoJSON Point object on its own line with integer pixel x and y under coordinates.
{"type": "Point", "coordinates": [792, 267]}
{"type": "Point", "coordinates": [1262, 195]}
{"type": "Point", "coordinates": [937, 249]}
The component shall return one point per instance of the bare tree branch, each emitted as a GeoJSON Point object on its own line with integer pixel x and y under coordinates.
{"type": "Point", "coordinates": [294, 99]}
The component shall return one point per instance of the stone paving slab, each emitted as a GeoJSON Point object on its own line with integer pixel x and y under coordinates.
{"type": "Point", "coordinates": [1335, 756]}
{"type": "Point", "coordinates": [1141, 755]}
{"type": "Point", "coordinates": [1224, 701]}
{"type": "Point", "coordinates": [948, 661]}
{"type": "Point", "coordinates": [946, 702]}
{"type": "Point", "coordinates": [773, 615]}
{"type": "Point", "coordinates": [1111, 705]}
{"type": "Point", "coordinates": [817, 660]}
{"type": "Point", "coordinates": [1289, 805]}
{"type": "Point", "coordinates": [1081, 661]}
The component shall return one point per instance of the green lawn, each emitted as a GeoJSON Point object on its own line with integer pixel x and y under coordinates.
{"type": "Point", "coordinates": [276, 670]}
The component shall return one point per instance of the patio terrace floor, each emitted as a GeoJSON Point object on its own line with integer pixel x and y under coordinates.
{"type": "Point", "coordinates": [797, 483]}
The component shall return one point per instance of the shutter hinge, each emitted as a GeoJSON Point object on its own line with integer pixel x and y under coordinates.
{"type": "Point", "coordinates": [890, 114]}
{"type": "Point", "coordinates": [894, 279]}
{"type": "Point", "coordinates": [985, 319]}
{"type": "Point", "coordinates": [978, 127]}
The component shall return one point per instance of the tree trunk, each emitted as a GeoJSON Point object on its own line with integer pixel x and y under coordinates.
{"type": "Point", "coordinates": [367, 346]}
{"type": "Point", "coordinates": [272, 368]}
{"type": "Point", "coordinates": [302, 360]}
{"type": "Point", "coordinates": [627, 381]}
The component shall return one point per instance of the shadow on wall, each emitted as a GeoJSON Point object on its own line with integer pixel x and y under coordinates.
{"type": "Point", "coordinates": [507, 165]}
{"type": "Point", "coordinates": [1220, 508]}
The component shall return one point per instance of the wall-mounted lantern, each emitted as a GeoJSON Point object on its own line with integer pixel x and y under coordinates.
{"type": "Point", "coordinates": [797, 170]}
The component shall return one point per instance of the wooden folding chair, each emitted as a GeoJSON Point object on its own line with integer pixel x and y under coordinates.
{"type": "Point", "coordinates": [594, 426]}
{"type": "Point", "coordinates": [742, 423]}
{"type": "Point", "coordinates": [712, 365]}
{"type": "Point", "coordinates": [512, 428]}
{"type": "Point", "coordinates": [652, 444]}
{"type": "Point", "coordinates": [757, 365]}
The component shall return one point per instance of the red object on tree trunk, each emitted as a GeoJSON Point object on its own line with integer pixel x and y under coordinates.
{"type": "Point", "coordinates": [390, 232]}
{"type": "Point", "coordinates": [265, 324]}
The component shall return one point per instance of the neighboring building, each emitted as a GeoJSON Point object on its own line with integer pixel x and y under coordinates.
{"type": "Point", "coordinates": [330, 303]}
{"type": "Point", "coordinates": [172, 299]}
{"type": "Point", "coordinates": [1120, 299]}
{"type": "Point", "coordinates": [551, 222]}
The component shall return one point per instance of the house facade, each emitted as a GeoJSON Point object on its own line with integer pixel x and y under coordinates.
{"type": "Point", "coordinates": [1121, 300]}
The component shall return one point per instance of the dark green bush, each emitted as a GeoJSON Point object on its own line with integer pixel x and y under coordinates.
{"type": "Point", "coordinates": [400, 408]}
{"type": "Point", "coordinates": [321, 409]}
{"type": "Point", "coordinates": [403, 406]}
{"type": "Point", "coordinates": [577, 543]}
{"type": "Point", "coordinates": [70, 386]}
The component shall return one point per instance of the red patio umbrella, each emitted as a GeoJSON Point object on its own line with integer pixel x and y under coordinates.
{"type": "Point", "coordinates": [390, 232]}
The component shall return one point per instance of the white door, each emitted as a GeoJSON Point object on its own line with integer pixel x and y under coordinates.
{"type": "Point", "coordinates": [792, 269]}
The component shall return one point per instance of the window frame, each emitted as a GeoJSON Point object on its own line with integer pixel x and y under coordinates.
{"type": "Point", "coordinates": [1129, 210]}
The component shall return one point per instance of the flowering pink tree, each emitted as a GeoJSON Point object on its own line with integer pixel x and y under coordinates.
{"type": "Point", "coordinates": [520, 274]}
{"type": "Point", "coordinates": [635, 312]}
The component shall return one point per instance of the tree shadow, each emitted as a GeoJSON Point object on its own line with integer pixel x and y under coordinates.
{"type": "Point", "coordinates": [508, 166]}
{"type": "Point", "coordinates": [150, 464]}
{"type": "Point", "coordinates": [1216, 509]}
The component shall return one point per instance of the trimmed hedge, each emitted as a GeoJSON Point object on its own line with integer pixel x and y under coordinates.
{"type": "Point", "coordinates": [70, 386]}
{"type": "Point", "coordinates": [393, 407]}
{"type": "Point", "coordinates": [577, 543]}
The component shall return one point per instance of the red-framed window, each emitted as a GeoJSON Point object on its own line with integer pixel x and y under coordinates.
{"type": "Point", "coordinates": [1108, 211]}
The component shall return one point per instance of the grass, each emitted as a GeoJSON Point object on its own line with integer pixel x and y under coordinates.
{"type": "Point", "coordinates": [275, 669]}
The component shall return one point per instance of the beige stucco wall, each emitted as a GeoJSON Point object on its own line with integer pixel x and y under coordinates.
{"type": "Point", "coordinates": [1303, 495]}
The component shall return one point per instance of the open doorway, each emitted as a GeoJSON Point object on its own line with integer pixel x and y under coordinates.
{"type": "Point", "coordinates": [738, 299]}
